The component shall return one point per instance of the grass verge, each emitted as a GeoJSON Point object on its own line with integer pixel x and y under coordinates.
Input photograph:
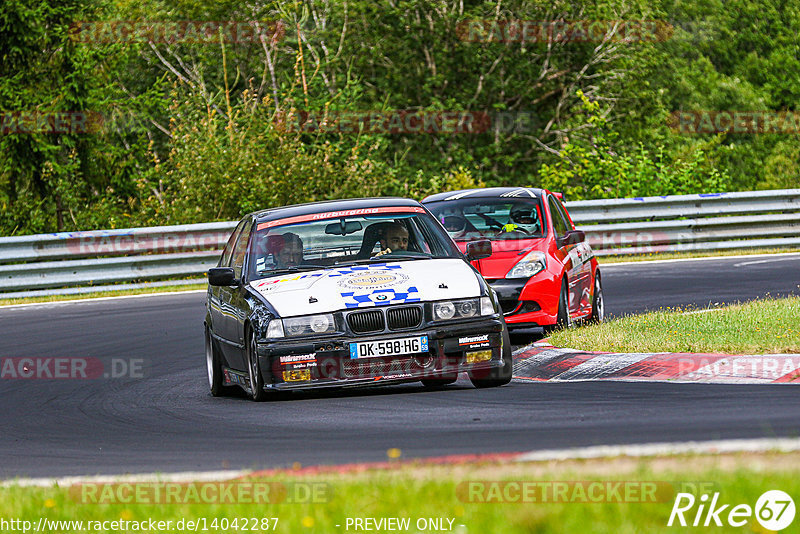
{"type": "Point", "coordinates": [99, 294]}
{"type": "Point", "coordinates": [605, 495]}
{"type": "Point", "coordinates": [760, 326]}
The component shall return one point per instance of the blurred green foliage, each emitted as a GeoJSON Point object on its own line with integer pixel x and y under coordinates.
{"type": "Point", "coordinates": [194, 132]}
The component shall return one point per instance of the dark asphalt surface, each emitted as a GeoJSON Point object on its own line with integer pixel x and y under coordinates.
{"type": "Point", "coordinates": [167, 422]}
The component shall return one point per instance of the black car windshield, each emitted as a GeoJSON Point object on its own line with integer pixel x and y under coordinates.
{"type": "Point", "coordinates": [469, 218]}
{"type": "Point", "coordinates": [335, 239]}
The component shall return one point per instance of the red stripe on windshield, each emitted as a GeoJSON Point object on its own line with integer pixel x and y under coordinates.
{"type": "Point", "coordinates": [338, 214]}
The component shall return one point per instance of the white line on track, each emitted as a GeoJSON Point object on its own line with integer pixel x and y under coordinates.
{"type": "Point", "coordinates": [783, 255]}
{"type": "Point", "coordinates": [189, 476]}
{"type": "Point", "coordinates": [98, 299]}
{"type": "Point", "coordinates": [665, 449]}
{"type": "Point", "coordinates": [758, 262]}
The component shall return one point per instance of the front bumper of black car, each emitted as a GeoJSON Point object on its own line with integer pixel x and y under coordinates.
{"type": "Point", "coordinates": [474, 346]}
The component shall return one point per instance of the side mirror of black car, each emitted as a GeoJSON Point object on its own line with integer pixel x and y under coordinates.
{"type": "Point", "coordinates": [572, 237]}
{"type": "Point", "coordinates": [222, 276]}
{"type": "Point", "coordinates": [477, 250]}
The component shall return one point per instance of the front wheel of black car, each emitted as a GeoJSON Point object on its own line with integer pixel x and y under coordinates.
{"type": "Point", "coordinates": [499, 376]}
{"type": "Point", "coordinates": [214, 367]}
{"type": "Point", "coordinates": [255, 379]}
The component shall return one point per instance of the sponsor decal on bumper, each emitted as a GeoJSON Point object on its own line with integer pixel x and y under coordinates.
{"type": "Point", "coordinates": [475, 342]}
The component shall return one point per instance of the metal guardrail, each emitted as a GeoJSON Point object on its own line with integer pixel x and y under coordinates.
{"type": "Point", "coordinates": [70, 262]}
{"type": "Point", "coordinates": [683, 223]}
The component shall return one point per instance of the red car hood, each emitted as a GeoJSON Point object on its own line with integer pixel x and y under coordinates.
{"type": "Point", "coordinates": [505, 254]}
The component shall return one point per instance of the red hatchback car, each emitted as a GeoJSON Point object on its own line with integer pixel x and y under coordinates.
{"type": "Point", "coordinates": [541, 267]}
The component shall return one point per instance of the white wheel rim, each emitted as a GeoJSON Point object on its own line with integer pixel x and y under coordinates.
{"type": "Point", "coordinates": [601, 311]}
{"type": "Point", "coordinates": [209, 361]}
{"type": "Point", "coordinates": [568, 323]}
{"type": "Point", "coordinates": [251, 367]}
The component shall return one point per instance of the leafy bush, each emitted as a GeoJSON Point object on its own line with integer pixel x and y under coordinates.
{"type": "Point", "coordinates": [590, 168]}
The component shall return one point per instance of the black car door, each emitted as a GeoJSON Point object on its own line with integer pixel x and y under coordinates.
{"type": "Point", "coordinates": [233, 304]}
{"type": "Point", "coordinates": [216, 293]}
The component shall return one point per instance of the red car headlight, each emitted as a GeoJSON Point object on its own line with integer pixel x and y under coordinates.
{"type": "Point", "coordinates": [534, 262]}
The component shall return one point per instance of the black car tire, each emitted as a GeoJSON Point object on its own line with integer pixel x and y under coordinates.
{"type": "Point", "coordinates": [499, 376]}
{"type": "Point", "coordinates": [214, 367]}
{"type": "Point", "coordinates": [563, 320]}
{"type": "Point", "coordinates": [255, 379]}
{"type": "Point", "coordinates": [598, 304]}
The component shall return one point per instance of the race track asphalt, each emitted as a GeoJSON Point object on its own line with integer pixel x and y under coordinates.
{"type": "Point", "coordinates": [167, 422]}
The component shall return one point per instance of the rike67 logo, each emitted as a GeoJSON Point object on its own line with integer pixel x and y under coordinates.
{"type": "Point", "coordinates": [774, 511]}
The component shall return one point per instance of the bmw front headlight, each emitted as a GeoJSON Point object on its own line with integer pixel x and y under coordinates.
{"type": "Point", "coordinates": [462, 309]}
{"type": "Point", "coordinates": [533, 263]}
{"type": "Point", "coordinates": [309, 324]}
{"type": "Point", "coordinates": [275, 329]}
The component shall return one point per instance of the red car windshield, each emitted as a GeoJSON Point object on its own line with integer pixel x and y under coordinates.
{"type": "Point", "coordinates": [491, 218]}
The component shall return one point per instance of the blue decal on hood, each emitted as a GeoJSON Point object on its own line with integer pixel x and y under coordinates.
{"type": "Point", "coordinates": [380, 297]}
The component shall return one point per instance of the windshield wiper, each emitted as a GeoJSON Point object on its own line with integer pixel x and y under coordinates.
{"type": "Point", "coordinates": [292, 269]}
{"type": "Point", "coordinates": [352, 262]}
{"type": "Point", "coordinates": [392, 256]}
{"type": "Point", "coordinates": [380, 259]}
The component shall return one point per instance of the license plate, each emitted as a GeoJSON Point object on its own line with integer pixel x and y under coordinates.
{"type": "Point", "coordinates": [389, 347]}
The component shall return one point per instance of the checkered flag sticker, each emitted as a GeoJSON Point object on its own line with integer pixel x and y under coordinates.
{"type": "Point", "coordinates": [380, 297]}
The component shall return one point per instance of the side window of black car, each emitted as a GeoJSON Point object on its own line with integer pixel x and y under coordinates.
{"type": "Point", "coordinates": [559, 224]}
{"type": "Point", "coordinates": [225, 261]}
{"type": "Point", "coordinates": [240, 251]}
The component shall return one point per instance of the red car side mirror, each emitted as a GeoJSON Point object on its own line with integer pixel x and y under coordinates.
{"type": "Point", "coordinates": [477, 250]}
{"type": "Point", "coordinates": [572, 237]}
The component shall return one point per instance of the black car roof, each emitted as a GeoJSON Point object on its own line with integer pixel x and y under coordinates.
{"type": "Point", "coordinates": [310, 208]}
{"type": "Point", "coordinates": [487, 192]}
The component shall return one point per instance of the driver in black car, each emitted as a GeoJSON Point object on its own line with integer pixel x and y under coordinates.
{"type": "Point", "coordinates": [394, 238]}
{"type": "Point", "coordinates": [287, 250]}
